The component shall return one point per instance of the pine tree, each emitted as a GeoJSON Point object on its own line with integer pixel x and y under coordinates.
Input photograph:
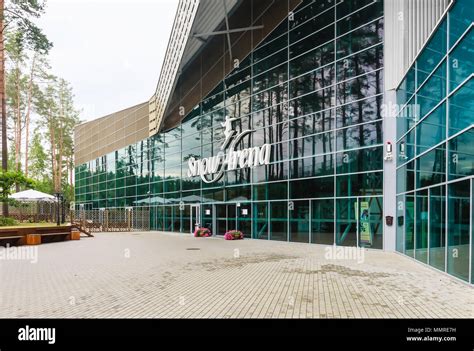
{"type": "Point", "coordinates": [17, 15]}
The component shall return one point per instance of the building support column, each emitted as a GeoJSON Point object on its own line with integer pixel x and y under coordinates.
{"type": "Point", "coordinates": [390, 171]}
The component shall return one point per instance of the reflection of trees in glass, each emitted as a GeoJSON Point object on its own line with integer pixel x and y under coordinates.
{"type": "Point", "coordinates": [318, 121]}
{"type": "Point", "coordinates": [274, 132]}
{"type": "Point", "coordinates": [357, 89]}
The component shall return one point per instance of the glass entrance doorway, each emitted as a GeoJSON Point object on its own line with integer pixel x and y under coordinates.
{"type": "Point", "coordinates": [195, 217]}
{"type": "Point", "coordinates": [220, 218]}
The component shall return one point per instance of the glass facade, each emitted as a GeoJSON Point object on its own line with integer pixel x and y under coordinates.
{"type": "Point", "coordinates": [436, 150]}
{"type": "Point", "coordinates": [313, 90]}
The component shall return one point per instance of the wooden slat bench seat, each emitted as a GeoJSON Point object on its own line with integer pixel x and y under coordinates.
{"type": "Point", "coordinates": [53, 237]}
{"type": "Point", "coordinates": [38, 235]}
{"type": "Point", "coordinates": [51, 234]}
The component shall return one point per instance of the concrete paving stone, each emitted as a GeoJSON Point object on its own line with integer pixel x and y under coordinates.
{"type": "Point", "coordinates": [154, 275]}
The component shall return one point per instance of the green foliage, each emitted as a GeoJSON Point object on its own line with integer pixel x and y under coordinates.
{"type": "Point", "coordinates": [9, 180]}
{"type": "Point", "coordinates": [18, 13]}
{"type": "Point", "coordinates": [68, 192]}
{"type": "Point", "coordinates": [37, 98]}
{"type": "Point", "coordinates": [45, 185]}
{"type": "Point", "coordinates": [38, 160]}
{"type": "Point", "coordinates": [6, 222]}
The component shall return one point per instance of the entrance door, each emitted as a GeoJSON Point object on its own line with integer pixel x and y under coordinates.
{"type": "Point", "coordinates": [195, 218]}
{"type": "Point", "coordinates": [220, 219]}
{"type": "Point", "coordinates": [208, 217]}
{"type": "Point", "coordinates": [244, 219]}
{"type": "Point", "coordinates": [225, 218]}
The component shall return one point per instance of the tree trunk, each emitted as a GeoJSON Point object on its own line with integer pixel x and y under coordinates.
{"type": "Point", "coordinates": [60, 142]}
{"type": "Point", "coordinates": [18, 124]}
{"type": "Point", "coordinates": [3, 100]}
{"type": "Point", "coordinates": [53, 153]}
{"type": "Point", "coordinates": [28, 113]}
{"type": "Point", "coordinates": [71, 171]}
{"type": "Point", "coordinates": [60, 161]}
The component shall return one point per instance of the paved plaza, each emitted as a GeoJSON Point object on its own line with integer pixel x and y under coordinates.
{"type": "Point", "coordinates": [165, 275]}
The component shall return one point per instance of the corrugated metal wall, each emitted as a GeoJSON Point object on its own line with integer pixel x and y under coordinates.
{"type": "Point", "coordinates": [408, 25]}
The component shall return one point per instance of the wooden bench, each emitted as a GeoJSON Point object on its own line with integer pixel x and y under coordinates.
{"type": "Point", "coordinates": [10, 236]}
{"type": "Point", "coordinates": [67, 235]}
{"type": "Point", "coordinates": [35, 236]}
{"type": "Point", "coordinates": [51, 234]}
{"type": "Point", "coordinates": [13, 237]}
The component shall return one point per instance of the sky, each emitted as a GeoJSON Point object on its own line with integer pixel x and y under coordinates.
{"type": "Point", "coordinates": [111, 51]}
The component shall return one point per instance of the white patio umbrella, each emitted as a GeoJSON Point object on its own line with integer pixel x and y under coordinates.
{"type": "Point", "coordinates": [32, 195]}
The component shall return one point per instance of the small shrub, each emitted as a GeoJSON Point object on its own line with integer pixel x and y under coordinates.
{"type": "Point", "coordinates": [6, 222]}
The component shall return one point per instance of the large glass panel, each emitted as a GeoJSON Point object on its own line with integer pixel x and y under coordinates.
{"type": "Point", "coordinates": [270, 191]}
{"type": "Point", "coordinates": [244, 219]}
{"type": "Point", "coordinates": [433, 91]}
{"type": "Point", "coordinates": [362, 160]}
{"type": "Point", "coordinates": [359, 136]}
{"type": "Point", "coordinates": [461, 155]}
{"type": "Point", "coordinates": [299, 221]}
{"type": "Point", "coordinates": [344, 8]}
{"type": "Point", "coordinates": [313, 40]}
{"type": "Point", "coordinates": [207, 217]}
{"type": "Point", "coordinates": [260, 220]}
{"type": "Point", "coordinates": [437, 227]}
{"type": "Point", "coordinates": [410, 225]}
{"type": "Point", "coordinates": [322, 221]}
{"type": "Point", "coordinates": [459, 229]}
{"type": "Point", "coordinates": [432, 167]}
{"type": "Point", "coordinates": [186, 227]}
{"type": "Point", "coordinates": [462, 65]}
{"type": "Point", "coordinates": [407, 88]}
{"type": "Point", "coordinates": [432, 130]}
{"type": "Point", "coordinates": [460, 18]}
{"type": "Point", "coordinates": [311, 26]}
{"type": "Point", "coordinates": [159, 218]}
{"type": "Point", "coordinates": [360, 39]}
{"type": "Point", "coordinates": [360, 87]}
{"type": "Point", "coordinates": [360, 184]}
{"type": "Point", "coordinates": [221, 219]}
{"type": "Point", "coordinates": [313, 59]}
{"type": "Point", "coordinates": [312, 166]}
{"type": "Point", "coordinates": [320, 187]}
{"type": "Point", "coordinates": [313, 81]}
{"type": "Point", "coordinates": [232, 217]}
{"type": "Point", "coordinates": [461, 108]}
{"type": "Point", "coordinates": [346, 222]}
{"type": "Point", "coordinates": [432, 54]}
{"type": "Point", "coordinates": [359, 112]}
{"type": "Point", "coordinates": [361, 16]}
{"type": "Point", "coordinates": [472, 232]}
{"type": "Point", "coordinates": [176, 219]}
{"type": "Point", "coordinates": [399, 222]}
{"type": "Point", "coordinates": [279, 221]}
{"type": "Point", "coordinates": [421, 240]}
{"type": "Point", "coordinates": [370, 212]}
